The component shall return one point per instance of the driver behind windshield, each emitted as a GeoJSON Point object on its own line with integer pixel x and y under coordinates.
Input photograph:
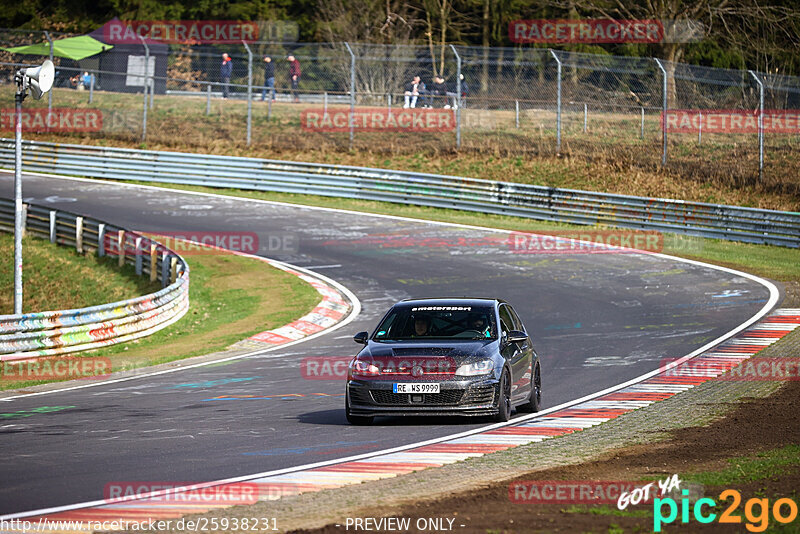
{"type": "Point", "coordinates": [477, 321]}
{"type": "Point", "coordinates": [422, 326]}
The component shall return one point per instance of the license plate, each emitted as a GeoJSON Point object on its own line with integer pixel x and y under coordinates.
{"type": "Point", "coordinates": [415, 388]}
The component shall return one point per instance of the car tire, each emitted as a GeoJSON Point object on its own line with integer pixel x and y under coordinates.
{"type": "Point", "coordinates": [361, 420]}
{"type": "Point", "coordinates": [504, 399]}
{"type": "Point", "coordinates": [535, 401]}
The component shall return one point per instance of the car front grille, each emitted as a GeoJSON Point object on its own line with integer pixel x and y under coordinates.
{"type": "Point", "coordinates": [446, 397]}
{"type": "Point", "coordinates": [479, 395]}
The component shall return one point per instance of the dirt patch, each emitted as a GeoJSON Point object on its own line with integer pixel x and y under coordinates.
{"type": "Point", "coordinates": [753, 426]}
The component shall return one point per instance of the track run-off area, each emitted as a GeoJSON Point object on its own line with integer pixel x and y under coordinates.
{"type": "Point", "coordinates": [596, 320]}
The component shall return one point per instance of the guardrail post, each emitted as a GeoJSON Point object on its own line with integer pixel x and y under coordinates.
{"type": "Point", "coordinates": [760, 125]}
{"type": "Point", "coordinates": [53, 214]}
{"type": "Point", "coordinates": [173, 269]}
{"type": "Point", "coordinates": [153, 262]}
{"type": "Point", "coordinates": [146, 64]}
{"type": "Point", "coordinates": [138, 255]}
{"type": "Point", "coordinates": [249, 92]}
{"type": "Point", "coordinates": [558, 102]}
{"type": "Point", "coordinates": [121, 248]}
{"type": "Point", "coordinates": [165, 265]}
{"type": "Point", "coordinates": [351, 118]}
{"type": "Point", "coordinates": [458, 96]}
{"type": "Point", "coordinates": [700, 129]}
{"type": "Point", "coordinates": [79, 235]}
{"type": "Point", "coordinates": [208, 99]}
{"type": "Point", "coordinates": [101, 239]}
{"type": "Point", "coordinates": [663, 112]}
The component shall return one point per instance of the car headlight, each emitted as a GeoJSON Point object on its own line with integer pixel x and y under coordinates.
{"type": "Point", "coordinates": [483, 367]}
{"type": "Point", "coordinates": [364, 368]}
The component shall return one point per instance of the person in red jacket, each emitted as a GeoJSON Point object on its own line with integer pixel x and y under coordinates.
{"type": "Point", "coordinates": [294, 76]}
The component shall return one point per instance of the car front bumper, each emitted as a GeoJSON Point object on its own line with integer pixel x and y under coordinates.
{"type": "Point", "coordinates": [473, 397]}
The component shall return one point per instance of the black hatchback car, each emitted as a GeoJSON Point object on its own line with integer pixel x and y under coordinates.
{"type": "Point", "coordinates": [444, 356]}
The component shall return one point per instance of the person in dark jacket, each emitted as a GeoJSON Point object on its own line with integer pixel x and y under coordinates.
{"type": "Point", "coordinates": [269, 79]}
{"type": "Point", "coordinates": [412, 90]}
{"type": "Point", "coordinates": [225, 71]}
{"type": "Point", "coordinates": [438, 94]}
{"type": "Point", "coordinates": [294, 77]}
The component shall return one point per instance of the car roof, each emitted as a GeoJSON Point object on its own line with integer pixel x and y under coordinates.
{"type": "Point", "coordinates": [450, 301]}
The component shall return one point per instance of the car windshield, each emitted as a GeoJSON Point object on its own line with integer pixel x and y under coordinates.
{"type": "Point", "coordinates": [437, 322]}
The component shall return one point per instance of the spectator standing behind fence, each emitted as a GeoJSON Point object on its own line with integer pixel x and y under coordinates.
{"type": "Point", "coordinates": [294, 77]}
{"type": "Point", "coordinates": [269, 79]}
{"type": "Point", "coordinates": [412, 92]}
{"type": "Point", "coordinates": [225, 71]}
{"type": "Point", "coordinates": [86, 80]}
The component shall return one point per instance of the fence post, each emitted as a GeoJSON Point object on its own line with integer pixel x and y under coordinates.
{"type": "Point", "coordinates": [663, 112]}
{"type": "Point", "coordinates": [144, 111]}
{"type": "Point", "coordinates": [121, 247]}
{"type": "Point", "coordinates": [50, 93]}
{"type": "Point", "coordinates": [351, 118]}
{"type": "Point", "coordinates": [760, 125]}
{"type": "Point", "coordinates": [153, 262]}
{"type": "Point", "coordinates": [558, 102]}
{"type": "Point", "coordinates": [208, 99]}
{"type": "Point", "coordinates": [516, 113]}
{"type": "Point", "coordinates": [641, 127]}
{"type": "Point", "coordinates": [249, 92]}
{"type": "Point", "coordinates": [389, 103]}
{"type": "Point", "coordinates": [585, 116]}
{"type": "Point", "coordinates": [91, 88]}
{"type": "Point", "coordinates": [458, 96]}
{"type": "Point", "coordinates": [700, 128]}
{"type": "Point", "coordinates": [325, 103]}
{"type": "Point", "coordinates": [165, 265]}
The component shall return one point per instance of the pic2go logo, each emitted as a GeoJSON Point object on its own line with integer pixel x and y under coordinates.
{"type": "Point", "coordinates": [756, 511]}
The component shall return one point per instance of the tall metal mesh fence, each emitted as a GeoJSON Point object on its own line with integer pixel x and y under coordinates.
{"type": "Point", "coordinates": [509, 101]}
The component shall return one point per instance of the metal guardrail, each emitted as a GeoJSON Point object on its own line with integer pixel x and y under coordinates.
{"type": "Point", "coordinates": [733, 223]}
{"type": "Point", "coordinates": [58, 332]}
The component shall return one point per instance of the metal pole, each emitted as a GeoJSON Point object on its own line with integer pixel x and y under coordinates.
{"type": "Point", "coordinates": [269, 108]}
{"type": "Point", "coordinates": [700, 129]}
{"type": "Point", "coordinates": [208, 99]}
{"type": "Point", "coordinates": [760, 125]}
{"type": "Point", "coordinates": [641, 127]}
{"type": "Point", "coordinates": [516, 113]}
{"type": "Point", "coordinates": [558, 103]}
{"type": "Point", "coordinates": [144, 111]}
{"type": "Point", "coordinates": [663, 112]}
{"type": "Point", "coordinates": [50, 93]}
{"type": "Point", "coordinates": [458, 96]}
{"type": "Point", "coordinates": [585, 117]}
{"type": "Point", "coordinates": [91, 88]}
{"type": "Point", "coordinates": [389, 103]}
{"type": "Point", "coordinates": [351, 119]}
{"type": "Point", "coordinates": [18, 229]}
{"type": "Point", "coordinates": [249, 92]}
{"type": "Point", "coordinates": [325, 103]}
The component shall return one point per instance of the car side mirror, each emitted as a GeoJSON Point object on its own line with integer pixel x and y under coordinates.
{"type": "Point", "coordinates": [361, 338]}
{"type": "Point", "coordinates": [517, 336]}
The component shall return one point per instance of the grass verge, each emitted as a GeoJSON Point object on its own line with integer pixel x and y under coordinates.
{"type": "Point", "coordinates": [231, 298]}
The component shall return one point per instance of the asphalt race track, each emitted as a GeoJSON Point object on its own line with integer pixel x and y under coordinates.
{"type": "Point", "coordinates": [596, 320]}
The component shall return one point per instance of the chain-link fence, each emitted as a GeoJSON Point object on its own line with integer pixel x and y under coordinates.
{"type": "Point", "coordinates": [510, 101]}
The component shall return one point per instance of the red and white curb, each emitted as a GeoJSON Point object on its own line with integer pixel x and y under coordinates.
{"type": "Point", "coordinates": [538, 427]}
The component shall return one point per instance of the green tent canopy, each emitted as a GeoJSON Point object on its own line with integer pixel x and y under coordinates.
{"type": "Point", "coordinates": [75, 48]}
